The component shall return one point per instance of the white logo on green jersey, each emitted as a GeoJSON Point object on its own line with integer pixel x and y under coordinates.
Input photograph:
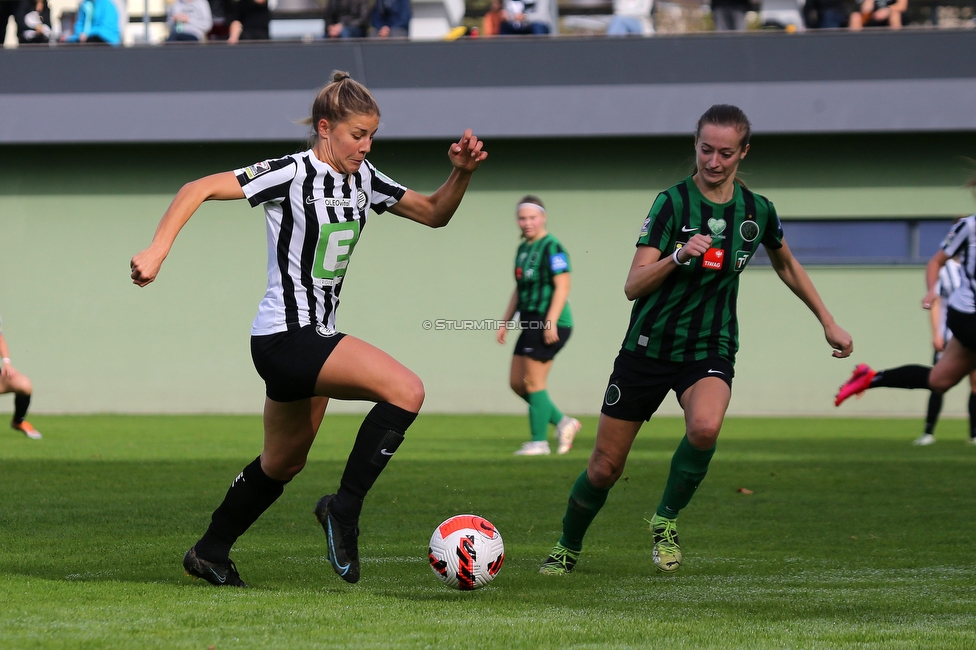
{"type": "Point", "coordinates": [717, 226]}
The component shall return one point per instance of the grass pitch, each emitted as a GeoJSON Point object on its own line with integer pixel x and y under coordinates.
{"type": "Point", "coordinates": [852, 538]}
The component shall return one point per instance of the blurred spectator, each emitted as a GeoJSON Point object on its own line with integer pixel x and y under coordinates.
{"type": "Point", "coordinates": [879, 13]}
{"type": "Point", "coordinates": [491, 23]}
{"type": "Point", "coordinates": [391, 18]}
{"type": "Point", "coordinates": [730, 15]}
{"type": "Point", "coordinates": [98, 22]}
{"type": "Point", "coordinates": [631, 17]}
{"type": "Point", "coordinates": [8, 8]}
{"type": "Point", "coordinates": [189, 20]}
{"type": "Point", "coordinates": [825, 14]}
{"type": "Point", "coordinates": [33, 22]}
{"type": "Point", "coordinates": [346, 18]}
{"type": "Point", "coordinates": [249, 21]}
{"type": "Point", "coordinates": [526, 17]}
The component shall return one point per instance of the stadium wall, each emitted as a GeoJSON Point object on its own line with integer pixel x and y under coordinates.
{"type": "Point", "coordinates": [71, 216]}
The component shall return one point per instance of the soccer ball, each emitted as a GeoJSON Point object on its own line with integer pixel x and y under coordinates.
{"type": "Point", "coordinates": [466, 552]}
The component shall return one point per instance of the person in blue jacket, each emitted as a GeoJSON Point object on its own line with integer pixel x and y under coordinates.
{"type": "Point", "coordinates": [98, 22]}
{"type": "Point", "coordinates": [391, 18]}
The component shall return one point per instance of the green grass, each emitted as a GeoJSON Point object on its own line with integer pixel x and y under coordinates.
{"type": "Point", "coordinates": [853, 539]}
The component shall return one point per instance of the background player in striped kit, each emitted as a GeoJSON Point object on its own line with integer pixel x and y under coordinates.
{"type": "Point", "coordinates": [316, 204]}
{"type": "Point", "coordinates": [950, 278]}
{"type": "Point", "coordinates": [958, 359]}
{"type": "Point", "coordinates": [541, 298]}
{"type": "Point", "coordinates": [683, 331]}
{"type": "Point", "coordinates": [17, 383]}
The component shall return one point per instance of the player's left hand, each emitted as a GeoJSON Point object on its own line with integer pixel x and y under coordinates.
{"type": "Point", "coordinates": [839, 340]}
{"type": "Point", "coordinates": [467, 153]}
{"type": "Point", "coordinates": [551, 334]}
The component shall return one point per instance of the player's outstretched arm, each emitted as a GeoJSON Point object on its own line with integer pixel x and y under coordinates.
{"type": "Point", "coordinates": [793, 275]}
{"type": "Point", "coordinates": [223, 187]}
{"type": "Point", "coordinates": [436, 210]}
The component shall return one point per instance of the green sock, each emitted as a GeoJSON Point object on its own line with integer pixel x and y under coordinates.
{"type": "Point", "coordinates": [540, 409]}
{"type": "Point", "coordinates": [688, 469]}
{"type": "Point", "coordinates": [584, 502]}
{"type": "Point", "coordinates": [555, 416]}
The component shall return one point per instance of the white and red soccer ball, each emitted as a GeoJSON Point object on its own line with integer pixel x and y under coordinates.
{"type": "Point", "coordinates": [466, 552]}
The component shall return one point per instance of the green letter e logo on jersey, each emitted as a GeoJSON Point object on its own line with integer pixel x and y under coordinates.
{"type": "Point", "coordinates": [336, 242]}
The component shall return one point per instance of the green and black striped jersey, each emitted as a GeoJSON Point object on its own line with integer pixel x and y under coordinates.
{"type": "Point", "coordinates": [535, 265]}
{"type": "Point", "coordinates": [692, 315]}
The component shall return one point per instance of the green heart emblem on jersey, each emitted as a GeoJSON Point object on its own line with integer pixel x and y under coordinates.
{"type": "Point", "coordinates": [716, 226]}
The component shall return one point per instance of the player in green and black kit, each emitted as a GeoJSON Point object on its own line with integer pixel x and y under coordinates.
{"type": "Point", "coordinates": [541, 298]}
{"type": "Point", "coordinates": [683, 332]}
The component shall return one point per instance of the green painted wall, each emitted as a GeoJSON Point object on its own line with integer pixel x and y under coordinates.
{"type": "Point", "coordinates": [72, 216]}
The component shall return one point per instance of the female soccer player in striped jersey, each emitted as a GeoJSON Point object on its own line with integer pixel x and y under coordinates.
{"type": "Point", "coordinates": [958, 359]}
{"type": "Point", "coordinates": [316, 204]}
{"type": "Point", "coordinates": [950, 279]}
{"type": "Point", "coordinates": [541, 298]}
{"type": "Point", "coordinates": [683, 332]}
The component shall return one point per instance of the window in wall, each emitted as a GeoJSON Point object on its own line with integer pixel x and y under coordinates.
{"type": "Point", "coordinates": [862, 241]}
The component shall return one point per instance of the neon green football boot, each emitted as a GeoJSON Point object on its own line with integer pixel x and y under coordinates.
{"type": "Point", "coordinates": [560, 562]}
{"type": "Point", "coordinates": [667, 552]}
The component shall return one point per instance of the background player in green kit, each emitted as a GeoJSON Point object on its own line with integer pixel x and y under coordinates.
{"type": "Point", "coordinates": [541, 298]}
{"type": "Point", "coordinates": [683, 333]}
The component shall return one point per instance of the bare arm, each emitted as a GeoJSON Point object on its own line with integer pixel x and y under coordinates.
{"type": "Point", "coordinates": [5, 365]}
{"type": "Point", "coordinates": [437, 209]}
{"type": "Point", "coordinates": [936, 262]}
{"type": "Point", "coordinates": [648, 270]}
{"type": "Point", "coordinates": [509, 315]}
{"type": "Point", "coordinates": [560, 295]}
{"type": "Point", "coordinates": [222, 187]}
{"type": "Point", "coordinates": [937, 341]}
{"type": "Point", "coordinates": [795, 277]}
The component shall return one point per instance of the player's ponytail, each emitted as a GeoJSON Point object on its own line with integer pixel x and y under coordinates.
{"type": "Point", "coordinates": [340, 100]}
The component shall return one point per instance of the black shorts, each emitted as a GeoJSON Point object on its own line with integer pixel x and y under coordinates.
{"type": "Point", "coordinates": [530, 342]}
{"type": "Point", "coordinates": [638, 384]}
{"type": "Point", "coordinates": [290, 362]}
{"type": "Point", "coordinates": [962, 326]}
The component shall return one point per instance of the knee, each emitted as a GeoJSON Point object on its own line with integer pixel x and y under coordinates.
{"type": "Point", "coordinates": [412, 394]}
{"type": "Point", "coordinates": [518, 386]}
{"type": "Point", "coordinates": [603, 472]}
{"type": "Point", "coordinates": [703, 433]}
{"type": "Point", "coordinates": [281, 471]}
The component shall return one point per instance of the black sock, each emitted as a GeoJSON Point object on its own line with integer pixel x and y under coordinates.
{"type": "Point", "coordinates": [379, 436]}
{"type": "Point", "coordinates": [251, 493]}
{"type": "Point", "coordinates": [21, 402]}
{"type": "Point", "coordinates": [902, 377]}
{"type": "Point", "coordinates": [935, 407]}
{"type": "Point", "coordinates": [972, 415]}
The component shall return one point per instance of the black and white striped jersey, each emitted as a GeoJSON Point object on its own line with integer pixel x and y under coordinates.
{"type": "Point", "coordinates": [315, 216]}
{"type": "Point", "coordinates": [961, 244]}
{"type": "Point", "coordinates": [950, 279]}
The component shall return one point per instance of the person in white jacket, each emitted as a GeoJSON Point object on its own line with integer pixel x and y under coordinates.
{"type": "Point", "coordinates": [189, 20]}
{"type": "Point", "coordinates": [631, 17]}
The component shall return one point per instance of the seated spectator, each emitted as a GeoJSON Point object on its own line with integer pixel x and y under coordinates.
{"type": "Point", "coordinates": [729, 15]}
{"type": "Point", "coordinates": [98, 22]}
{"type": "Point", "coordinates": [491, 22]}
{"type": "Point", "coordinates": [33, 22]}
{"type": "Point", "coordinates": [825, 14]}
{"type": "Point", "coordinates": [391, 18]}
{"type": "Point", "coordinates": [879, 13]}
{"type": "Point", "coordinates": [526, 17]}
{"type": "Point", "coordinates": [631, 17]}
{"type": "Point", "coordinates": [249, 21]}
{"type": "Point", "coordinates": [188, 20]}
{"type": "Point", "coordinates": [346, 18]}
